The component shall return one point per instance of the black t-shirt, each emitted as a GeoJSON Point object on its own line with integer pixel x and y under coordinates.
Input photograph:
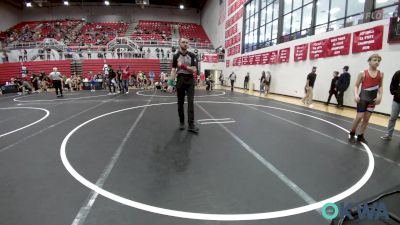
{"type": "Point", "coordinates": [111, 74]}
{"type": "Point", "coordinates": [311, 79]}
{"type": "Point", "coordinates": [395, 87]}
{"type": "Point", "coordinates": [188, 59]}
{"type": "Point", "coordinates": [333, 83]}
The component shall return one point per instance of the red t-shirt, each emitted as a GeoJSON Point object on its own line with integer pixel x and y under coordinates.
{"type": "Point", "coordinates": [125, 75]}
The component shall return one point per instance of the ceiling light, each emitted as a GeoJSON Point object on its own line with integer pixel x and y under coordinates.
{"type": "Point", "coordinates": [106, 2]}
{"type": "Point", "coordinates": [66, 3]}
{"type": "Point", "coordinates": [181, 6]}
{"type": "Point", "coordinates": [28, 4]}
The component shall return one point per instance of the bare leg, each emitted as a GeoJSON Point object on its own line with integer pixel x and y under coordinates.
{"type": "Point", "coordinates": [357, 121]}
{"type": "Point", "coordinates": [365, 121]}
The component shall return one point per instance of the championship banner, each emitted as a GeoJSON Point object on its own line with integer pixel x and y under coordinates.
{"type": "Point", "coordinates": [273, 57]}
{"type": "Point", "coordinates": [300, 52]}
{"type": "Point", "coordinates": [318, 49]}
{"type": "Point", "coordinates": [284, 55]}
{"type": "Point", "coordinates": [339, 45]}
{"type": "Point", "coordinates": [368, 40]}
{"type": "Point", "coordinates": [252, 60]}
{"type": "Point", "coordinates": [237, 47]}
{"type": "Point", "coordinates": [210, 58]}
{"type": "Point", "coordinates": [265, 58]}
{"type": "Point", "coordinates": [239, 61]}
{"type": "Point", "coordinates": [257, 59]}
{"type": "Point", "coordinates": [245, 60]}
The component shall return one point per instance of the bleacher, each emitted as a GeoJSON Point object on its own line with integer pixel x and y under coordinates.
{"type": "Point", "coordinates": [102, 31]}
{"type": "Point", "coordinates": [153, 30]}
{"type": "Point", "coordinates": [9, 70]}
{"type": "Point", "coordinates": [193, 32]}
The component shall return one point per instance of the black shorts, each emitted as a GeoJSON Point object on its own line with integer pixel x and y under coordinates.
{"type": "Point", "coordinates": [366, 103]}
{"type": "Point", "coordinates": [365, 106]}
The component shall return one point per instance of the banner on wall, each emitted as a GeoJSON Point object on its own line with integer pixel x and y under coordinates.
{"type": "Point", "coordinates": [228, 63]}
{"type": "Point", "coordinates": [339, 45]}
{"type": "Point", "coordinates": [273, 57]}
{"type": "Point", "coordinates": [300, 52]}
{"type": "Point", "coordinates": [210, 58]}
{"type": "Point", "coordinates": [318, 49]}
{"type": "Point", "coordinates": [284, 55]}
{"type": "Point", "coordinates": [368, 40]}
{"type": "Point", "coordinates": [252, 60]}
{"type": "Point", "coordinates": [257, 59]}
{"type": "Point", "coordinates": [239, 61]}
{"type": "Point", "coordinates": [265, 58]}
{"type": "Point", "coordinates": [245, 60]}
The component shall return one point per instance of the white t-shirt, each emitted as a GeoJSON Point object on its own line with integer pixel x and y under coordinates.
{"type": "Point", "coordinates": [55, 76]}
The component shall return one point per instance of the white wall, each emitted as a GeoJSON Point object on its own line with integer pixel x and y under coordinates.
{"type": "Point", "coordinates": [10, 16]}
{"type": "Point", "coordinates": [209, 21]}
{"type": "Point", "coordinates": [111, 14]}
{"type": "Point", "coordinates": [289, 78]}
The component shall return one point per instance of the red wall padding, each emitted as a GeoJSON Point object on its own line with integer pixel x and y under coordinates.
{"type": "Point", "coordinates": [9, 70]}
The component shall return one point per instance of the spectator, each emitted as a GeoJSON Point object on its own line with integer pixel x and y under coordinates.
{"type": "Point", "coordinates": [246, 81]}
{"type": "Point", "coordinates": [89, 53]}
{"type": "Point", "coordinates": [342, 85]}
{"type": "Point", "coordinates": [333, 88]}
{"type": "Point", "coordinates": [221, 79]}
{"type": "Point", "coordinates": [158, 52]}
{"type": "Point", "coordinates": [25, 55]}
{"type": "Point", "coordinates": [311, 77]}
{"type": "Point", "coordinates": [232, 77]}
{"type": "Point", "coordinates": [48, 50]}
{"type": "Point", "coordinates": [20, 57]}
{"type": "Point", "coordinates": [125, 80]}
{"type": "Point", "coordinates": [148, 52]}
{"type": "Point", "coordinates": [395, 91]}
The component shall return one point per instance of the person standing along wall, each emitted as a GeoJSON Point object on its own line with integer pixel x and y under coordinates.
{"type": "Point", "coordinates": [262, 82]}
{"type": "Point", "coordinates": [311, 77]}
{"type": "Point", "coordinates": [232, 77]}
{"type": "Point", "coordinates": [395, 91]}
{"type": "Point", "coordinates": [333, 88]}
{"type": "Point", "coordinates": [246, 81]}
{"type": "Point", "coordinates": [342, 85]}
{"type": "Point", "coordinates": [267, 81]}
{"type": "Point", "coordinates": [221, 79]}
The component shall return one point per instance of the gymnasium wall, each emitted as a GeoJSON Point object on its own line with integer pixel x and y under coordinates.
{"type": "Point", "coordinates": [103, 13]}
{"type": "Point", "coordinates": [289, 78]}
{"type": "Point", "coordinates": [210, 19]}
{"type": "Point", "coordinates": [9, 16]}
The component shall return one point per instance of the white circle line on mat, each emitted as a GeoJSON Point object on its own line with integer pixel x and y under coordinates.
{"type": "Point", "coordinates": [55, 100]}
{"type": "Point", "coordinates": [174, 96]}
{"type": "Point", "coordinates": [207, 216]}
{"type": "Point", "coordinates": [31, 124]}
